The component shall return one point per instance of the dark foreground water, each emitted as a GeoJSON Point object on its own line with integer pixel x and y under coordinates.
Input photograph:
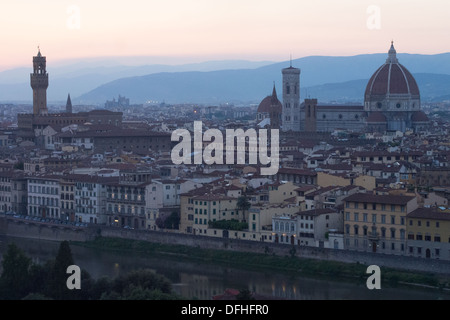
{"type": "Point", "coordinates": [195, 280]}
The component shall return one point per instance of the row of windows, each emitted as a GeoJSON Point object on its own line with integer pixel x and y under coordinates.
{"type": "Point", "coordinates": [427, 237]}
{"type": "Point", "coordinates": [418, 250]}
{"type": "Point", "coordinates": [43, 201]}
{"type": "Point", "coordinates": [365, 245]}
{"type": "Point", "coordinates": [427, 223]}
{"type": "Point", "coordinates": [374, 218]}
{"type": "Point", "coordinates": [125, 209]}
{"type": "Point", "coordinates": [43, 182]}
{"type": "Point", "coordinates": [37, 211]}
{"type": "Point", "coordinates": [42, 190]}
{"type": "Point", "coordinates": [373, 232]}
{"type": "Point", "coordinates": [135, 197]}
{"type": "Point", "coordinates": [373, 206]}
{"type": "Point", "coordinates": [284, 226]}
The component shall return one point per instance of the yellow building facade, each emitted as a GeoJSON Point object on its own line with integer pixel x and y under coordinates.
{"type": "Point", "coordinates": [377, 223]}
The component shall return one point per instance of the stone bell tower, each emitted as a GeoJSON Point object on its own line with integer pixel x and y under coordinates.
{"type": "Point", "coordinates": [39, 84]}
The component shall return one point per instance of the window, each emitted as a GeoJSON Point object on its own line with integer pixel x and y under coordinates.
{"type": "Point", "coordinates": [383, 218]}
{"type": "Point", "coordinates": [392, 219]}
{"type": "Point", "coordinates": [437, 238]}
{"type": "Point", "coordinates": [393, 207]}
{"type": "Point", "coordinates": [347, 216]}
{"type": "Point", "coordinates": [365, 217]}
{"type": "Point", "coordinates": [374, 218]}
{"type": "Point", "coordinates": [356, 216]}
{"type": "Point", "coordinates": [392, 233]}
{"type": "Point", "coordinates": [437, 224]}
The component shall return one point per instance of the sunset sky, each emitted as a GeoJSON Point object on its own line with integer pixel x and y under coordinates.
{"type": "Point", "coordinates": [183, 31]}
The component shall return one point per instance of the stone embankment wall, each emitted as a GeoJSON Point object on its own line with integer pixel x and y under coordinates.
{"type": "Point", "coordinates": [13, 227]}
{"type": "Point", "coordinates": [365, 258]}
{"type": "Point", "coordinates": [36, 230]}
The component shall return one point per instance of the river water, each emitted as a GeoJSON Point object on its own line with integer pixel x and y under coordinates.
{"type": "Point", "coordinates": [196, 280]}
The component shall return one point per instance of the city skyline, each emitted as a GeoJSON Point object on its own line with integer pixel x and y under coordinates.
{"type": "Point", "coordinates": [177, 32]}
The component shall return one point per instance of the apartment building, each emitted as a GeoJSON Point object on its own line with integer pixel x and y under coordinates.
{"type": "Point", "coordinates": [44, 196]}
{"type": "Point", "coordinates": [125, 199]}
{"type": "Point", "coordinates": [163, 196]}
{"type": "Point", "coordinates": [377, 223]}
{"type": "Point", "coordinates": [428, 231]}
{"type": "Point", "coordinates": [307, 228]}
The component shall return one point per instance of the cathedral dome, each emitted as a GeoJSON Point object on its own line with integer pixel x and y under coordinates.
{"type": "Point", "coordinates": [392, 78]}
{"type": "Point", "coordinates": [270, 104]}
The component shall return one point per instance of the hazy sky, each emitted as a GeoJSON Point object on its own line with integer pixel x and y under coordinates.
{"type": "Point", "coordinates": [180, 31]}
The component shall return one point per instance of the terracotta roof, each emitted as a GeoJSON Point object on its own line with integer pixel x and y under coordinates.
{"type": "Point", "coordinates": [429, 213]}
{"type": "Point", "coordinates": [383, 199]}
{"type": "Point", "coordinates": [297, 171]}
{"type": "Point", "coordinates": [270, 104]}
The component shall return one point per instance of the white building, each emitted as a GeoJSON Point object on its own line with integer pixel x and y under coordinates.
{"type": "Point", "coordinates": [307, 228]}
{"type": "Point", "coordinates": [44, 197]}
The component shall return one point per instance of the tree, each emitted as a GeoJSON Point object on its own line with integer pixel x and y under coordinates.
{"type": "Point", "coordinates": [172, 221]}
{"type": "Point", "coordinates": [141, 284]}
{"type": "Point", "coordinates": [57, 286]}
{"type": "Point", "coordinates": [243, 204]}
{"type": "Point", "coordinates": [14, 281]}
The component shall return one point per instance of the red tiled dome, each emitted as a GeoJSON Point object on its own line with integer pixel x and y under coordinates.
{"type": "Point", "coordinates": [392, 78]}
{"type": "Point", "coordinates": [270, 104]}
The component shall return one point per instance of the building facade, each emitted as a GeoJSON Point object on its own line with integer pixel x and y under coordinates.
{"type": "Point", "coordinates": [429, 233]}
{"type": "Point", "coordinates": [377, 223]}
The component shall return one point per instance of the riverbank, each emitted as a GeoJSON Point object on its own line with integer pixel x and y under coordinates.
{"type": "Point", "coordinates": [290, 264]}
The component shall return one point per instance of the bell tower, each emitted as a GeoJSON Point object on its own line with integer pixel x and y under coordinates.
{"type": "Point", "coordinates": [39, 84]}
{"type": "Point", "coordinates": [291, 99]}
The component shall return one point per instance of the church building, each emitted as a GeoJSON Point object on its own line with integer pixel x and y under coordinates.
{"type": "Point", "coordinates": [391, 103]}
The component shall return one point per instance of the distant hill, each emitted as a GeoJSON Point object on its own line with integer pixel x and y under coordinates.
{"type": "Point", "coordinates": [87, 74]}
{"type": "Point", "coordinates": [326, 78]}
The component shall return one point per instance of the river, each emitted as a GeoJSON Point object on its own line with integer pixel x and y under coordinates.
{"type": "Point", "coordinates": [195, 280]}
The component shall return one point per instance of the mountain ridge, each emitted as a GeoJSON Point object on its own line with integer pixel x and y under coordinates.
{"type": "Point", "coordinates": [320, 75]}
